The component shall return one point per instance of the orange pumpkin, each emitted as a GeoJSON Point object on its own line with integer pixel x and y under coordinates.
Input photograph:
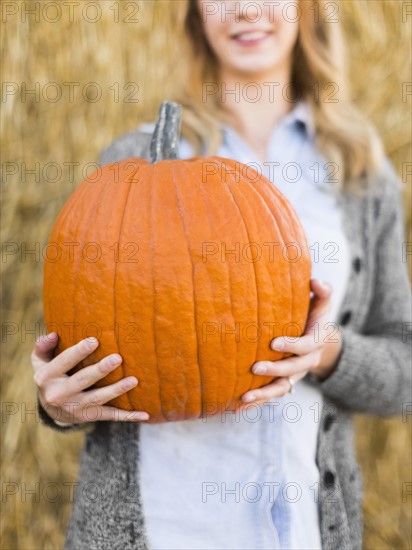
{"type": "Point", "coordinates": [186, 268]}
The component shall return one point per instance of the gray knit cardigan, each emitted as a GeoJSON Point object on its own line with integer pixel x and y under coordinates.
{"type": "Point", "coordinates": [373, 376]}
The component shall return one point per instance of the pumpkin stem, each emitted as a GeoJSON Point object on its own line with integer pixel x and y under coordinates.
{"type": "Point", "coordinates": [166, 135]}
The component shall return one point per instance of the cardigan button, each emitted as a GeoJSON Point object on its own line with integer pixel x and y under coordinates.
{"type": "Point", "coordinates": [345, 318]}
{"type": "Point", "coordinates": [330, 419]}
{"type": "Point", "coordinates": [329, 479]}
{"type": "Point", "coordinates": [357, 264]}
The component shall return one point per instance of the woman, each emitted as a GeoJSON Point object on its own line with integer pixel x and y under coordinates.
{"type": "Point", "coordinates": [286, 477]}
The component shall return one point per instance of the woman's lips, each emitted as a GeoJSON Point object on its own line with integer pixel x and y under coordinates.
{"type": "Point", "coordinates": [252, 38]}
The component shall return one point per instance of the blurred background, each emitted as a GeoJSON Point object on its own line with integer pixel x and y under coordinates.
{"type": "Point", "coordinates": [75, 77]}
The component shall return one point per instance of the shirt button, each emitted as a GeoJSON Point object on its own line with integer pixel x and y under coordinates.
{"type": "Point", "coordinates": [357, 264]}
{"type": "Point", "coordinates": [329, 479]}
{"type": "Point", "coordinates": [345, 318]}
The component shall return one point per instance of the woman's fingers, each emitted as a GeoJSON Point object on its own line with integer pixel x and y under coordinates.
{"type": "Point", "coordinates": [88, 406]}
{"type": "Point", "coordinates": [321, 289]}
{"type": "Point", "coordinates": [305, 350]}
{"type": "Point", "coordinates": [106, 393]}
{"type": "Point", "coordinates": [70, 357]}
{"type": "Point", "coordinates": [297, 346]}
{"type": "Point", "coordinates": [320, 301]}
{"type": "Point", "coordinates": [64, 397]}
{"type": "Point", "coordinates": [112, 413]}
{"type": "Point", "coordinates": [98, 413]}
{"type": "Point", "coordinates": [286, 367]}
{"type": "Point", "coordinates": [88, 376]}
{"type": "Point", "coordinates": [44, 348]}
{"type": "Point", "coordinates": [91, 412]}
{"type": "Point", "coordinates": [278, 388]}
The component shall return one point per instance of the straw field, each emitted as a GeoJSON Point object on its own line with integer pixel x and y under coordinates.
{"type": "Point", "coordinates": [76, 78]}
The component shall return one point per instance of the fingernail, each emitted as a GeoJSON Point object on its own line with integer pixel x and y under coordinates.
{"type": "Point", "coordinates": [91, 341]}
{"type": "Point", "coordinates": [140, 416]}
{"type": "Point", "coordinates": [325, 285]}
{"type": "Point", "coordinates": [50, 336]}
{"type": "Point", "coordinates": [249, 397]}
{"type": "Point", "coordinates": [259, 368]}
{"type": "Point", "coordinates": [115, 359]}
{"type": "Point", "coordinates": [278, 345]}
{"type": "Point", "coordinates": [130, 383]}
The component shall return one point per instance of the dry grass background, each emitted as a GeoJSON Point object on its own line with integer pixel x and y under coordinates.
{"type": "Point", "coordinates": [65, 131]}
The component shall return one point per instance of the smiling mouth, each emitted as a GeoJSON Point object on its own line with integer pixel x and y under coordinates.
{"type": "Point", "coordinates": [251, 36]}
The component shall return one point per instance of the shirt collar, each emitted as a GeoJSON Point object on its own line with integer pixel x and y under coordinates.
{"type": "Point", "coordinates": [301, 114]}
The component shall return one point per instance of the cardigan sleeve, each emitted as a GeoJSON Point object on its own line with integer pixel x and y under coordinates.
{"type": "Point", "coordinates": [373, 374]}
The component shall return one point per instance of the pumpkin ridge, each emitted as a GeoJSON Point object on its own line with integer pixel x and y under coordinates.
{"type": "Point", "coordinates": [50, 268]}
{"type": "Point", "coordinates": [135, 281]}
{"type": "Point", "coordinates": [77, 270]}
{"type": "Point", "coordinates": [230, 285]}
{"type": "Point", "coordinates": [152, 222]}
{"type": "Point", "coordinates": [275, 215]}
{"type": "Point", "coordinates": [289, 224]}
{"type": "Point", "coordinates": [197, 369]}
{"type": "Point", "coordinates": [208, 208]}
{"type": "Point", "coordinates": [195, 308]}
{"type": "Point", "coordinates": [254, 268]}
{"type": "Point", "coordinates": [115, 276]}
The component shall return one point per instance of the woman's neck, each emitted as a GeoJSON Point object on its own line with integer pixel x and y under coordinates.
{"type": "Point", "coordinates": [255, 105]}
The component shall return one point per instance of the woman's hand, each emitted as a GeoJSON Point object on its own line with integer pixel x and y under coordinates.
{"type": "Point", "coordinates": [63, 396]}
{"type": "Point", "coordinates": [316, 351]}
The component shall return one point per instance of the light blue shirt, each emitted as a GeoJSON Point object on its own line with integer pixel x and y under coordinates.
{"type": "Point", "coordinates": [249, 480]}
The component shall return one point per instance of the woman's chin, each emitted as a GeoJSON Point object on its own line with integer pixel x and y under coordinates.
{"type": "Point", "coordinates": [256, 69]}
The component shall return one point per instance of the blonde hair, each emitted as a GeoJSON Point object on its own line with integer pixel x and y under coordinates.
{"type": "Point", "coordinates": [343, 134]}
